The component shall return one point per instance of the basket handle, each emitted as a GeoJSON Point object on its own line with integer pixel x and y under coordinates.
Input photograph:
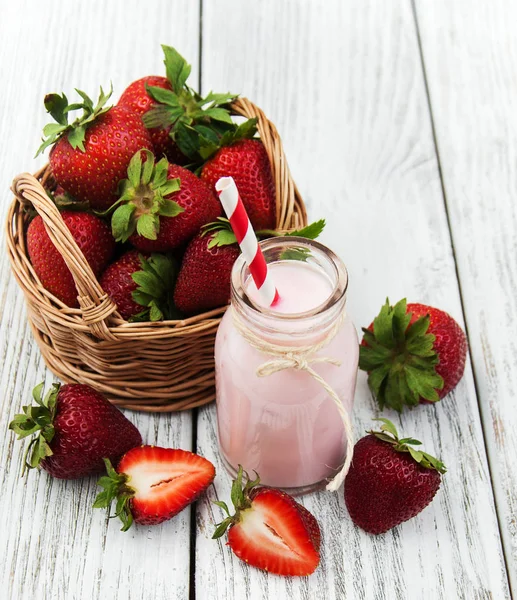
{"type": "Point", "coordinates": [96, 306]}
{"type": "Point", "coordinates": [284, 183]}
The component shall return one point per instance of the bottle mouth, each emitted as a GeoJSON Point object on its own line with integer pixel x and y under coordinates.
{"type": "Point", "coordinates": [291, 249]}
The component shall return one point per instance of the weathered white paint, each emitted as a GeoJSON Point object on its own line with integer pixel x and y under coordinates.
{"type": "Point", "coordinates": [470, 53]}
{"type": "Point", "coordinates": [343, 82]}
{"type": "Point", "coordinates": [53, 544]}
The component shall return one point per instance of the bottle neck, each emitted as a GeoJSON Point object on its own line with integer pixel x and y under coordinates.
{"type": "Point", "coordinates": [292, 328]}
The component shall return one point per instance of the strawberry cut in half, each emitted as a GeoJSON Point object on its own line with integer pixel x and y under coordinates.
{"type": "Point", "coordinates": [270, 530]}
{"type": "Point", "coordinates": [153, 484]}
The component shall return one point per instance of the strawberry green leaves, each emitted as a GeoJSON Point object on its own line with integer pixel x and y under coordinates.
{"type": "Point", "coordinates": [143, 198]}
{"type": "Point", "coordinates": [240, 499]}
{"type": "Point", "coordinates": [57, 106]}
{"type": "Point", "coordinates": [198, 126]}
{"type": "Point", "coordinates": [400, 358]}
{"type": "Point", "coordinates": [155, 288]}
{"type": "Point", "coordinates": [222, 234]}
{"type": "Point", "coordinates": [388, 433]}
{"type": "Point", "coordinates": [115, 488]}
{"type": "Point", "coordinates": [37, 421]}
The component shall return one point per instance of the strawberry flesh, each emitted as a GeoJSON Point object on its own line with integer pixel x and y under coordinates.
{"type": "Point", "coordinates": [164, 481]}
{"type": "Point", "coordinates": [276, 534]}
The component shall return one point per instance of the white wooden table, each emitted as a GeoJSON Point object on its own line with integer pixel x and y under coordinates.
{"type": "Point", "coordinates": [399, 121]}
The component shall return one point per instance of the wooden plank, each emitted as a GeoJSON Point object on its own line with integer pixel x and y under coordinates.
{"type": "Point", "coordinates": [470, 56]}
{"type": "Point", "coordinates": [344, 85]}
{"type": "Point", "coordinates": [54, 544]}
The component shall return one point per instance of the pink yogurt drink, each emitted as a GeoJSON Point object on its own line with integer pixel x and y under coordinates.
{"type": "Point", "coordinates": [284, 425]}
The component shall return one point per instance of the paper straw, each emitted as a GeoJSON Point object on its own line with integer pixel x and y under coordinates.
{"type": "Point", "coordinates": [246, 238]}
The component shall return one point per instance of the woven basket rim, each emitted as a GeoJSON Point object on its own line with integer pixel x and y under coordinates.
{"type": "Point", "coordinates": [97, 318]}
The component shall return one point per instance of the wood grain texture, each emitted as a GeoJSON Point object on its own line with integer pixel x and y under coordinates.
{"type": "Point", "coordinates": [470, 56]}
{"type": "Point", "coordinates": [344, 84]}
{"type": "Point", "coordinates": [53, 544]}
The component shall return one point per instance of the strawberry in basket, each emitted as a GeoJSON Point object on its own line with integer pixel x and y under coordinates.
{"type": "Point", "coordinates": [91, 154]}
{"type": "Point", "coordinates": [204, 278]}
{"type": "Point", "coordinates": [92, 236]}
{"type": "Point", "coordinates": [162, 206]}
{"type": "Point", "coordinates": [141, 286]}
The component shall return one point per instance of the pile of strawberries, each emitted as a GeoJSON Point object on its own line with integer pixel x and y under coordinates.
{"type": "Point", "coordinates": [135, 183]}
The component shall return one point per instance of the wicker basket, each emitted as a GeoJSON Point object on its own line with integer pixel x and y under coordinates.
{"type": "Point", "coordinates": [154, 367]}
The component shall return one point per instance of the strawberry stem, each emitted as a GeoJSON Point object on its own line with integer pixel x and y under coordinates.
{"type": "Point", "coordinates": [240, 499]}
{"type": "Point", "coordinates": [115, 488]}
{"type": "Point", "coordinates": [388, 433]}
{"type": "Point", "coordinates": [38, 422]}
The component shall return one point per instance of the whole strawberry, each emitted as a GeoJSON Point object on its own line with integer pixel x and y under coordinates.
{"type": "Point", "coordinates": [74, 428]}
{"type": "Point", "coordinates": [270, 530]}
{"type": "Point", "coordinates": [141, 286]}
{"type": "Point", "coordinates": [91, 155]}
{"type": "Point", "coordinates": [136, 98]}
{"type": "Point", "coordinates": [153, 484]}
{"type": "Point", "coordinates": [204, 278]}
{"type": "Point", "coordinates": [248, 163]}
{"type": "Point", "coordinates": [92, 236]}
{"type": "Point", "coordinates": [162, 206]}
{"type": "Point", "coordinates": [413, 354]}
{"type": "Point", "coordinates": [389, 481]}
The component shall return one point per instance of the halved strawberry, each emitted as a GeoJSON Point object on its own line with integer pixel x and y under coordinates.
{"type": "Point", "coordinates": [153, 484]}
{"type": "Point", "coordinates": [270, 530]}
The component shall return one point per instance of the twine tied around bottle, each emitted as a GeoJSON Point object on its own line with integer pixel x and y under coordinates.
{"type": "Point", "coordinates": [301, 358]}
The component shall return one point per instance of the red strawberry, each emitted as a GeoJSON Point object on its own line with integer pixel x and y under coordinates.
{"type": "Point", "coordinates": [137, 99]}
{"type": "Point", "coordinates": [248, 163]}
{"type": "Point", "coordinates": [141, 285]}
{"type": "Point", "coordinates": [91, 155]}
{"type": "Point", "coordinates": [92, 236]}
{"type": "Point", "coordinates": [389, 481]}
{"type": "Point", "coordinates": [162, 206]}
{"type": "Point", "coordinates": [153, 484]}
{"type": "Point", "coordinates": [270, 530]}
{"type": "Point", "coordinates": [204, 278]}
{"type": "Point", "coordinates": [75, 428]}
{"type": "Point", "coordinates": [413, 354]}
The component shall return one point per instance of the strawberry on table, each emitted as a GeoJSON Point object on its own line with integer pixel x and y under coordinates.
{"type": "Point", "coordinates": [248, 163]}
{"type": "Point", "coordinates": [74, 428]}
{"type": "Point", "coordinates": [142, 286]}
{"type": "Point", "coordinates": [91, 155]}
{"type": "Point", "coordinates": [204, 278]}
{"type": "Point", "coordinates": [153, 484]}
{"type": "Point", "coordinates": [270, 530]}
{"type": "Point", "coordinates": [92, 236]}
{"type": "Point", "coordinates": [162, 206]}
{"type": "Point", "coordinates": [413, 354]}
{"type": "Point", "coordinates": [389, 481]}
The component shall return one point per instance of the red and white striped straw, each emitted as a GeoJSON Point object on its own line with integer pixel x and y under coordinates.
{"type": "Point", "coordinates": [246, 238]}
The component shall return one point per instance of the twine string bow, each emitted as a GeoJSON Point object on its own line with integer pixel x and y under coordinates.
{"type": "Point", "coordinates": [301, 358]}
